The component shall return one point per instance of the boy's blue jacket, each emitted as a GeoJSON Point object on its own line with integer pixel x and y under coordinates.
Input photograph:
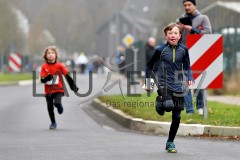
{"type": "Point", "coordinates": [173, 63]}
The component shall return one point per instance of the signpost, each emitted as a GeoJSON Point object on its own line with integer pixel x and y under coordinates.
{"type": "Point", "coordinates": [128, 40]}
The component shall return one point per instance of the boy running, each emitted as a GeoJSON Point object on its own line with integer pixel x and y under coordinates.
{"type": "Point", "coordinates": [173, 60]}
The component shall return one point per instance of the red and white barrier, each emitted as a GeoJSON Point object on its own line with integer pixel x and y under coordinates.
{"type": "Point", "coordinates": [15, 62]}
{"type": "Point", "coordinates": [206, 55]}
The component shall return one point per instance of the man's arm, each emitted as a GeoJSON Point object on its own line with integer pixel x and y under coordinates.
{"type": "Point", "coordinates": [151, 63]}
{"type": "Point", "coordinates": [206, 27]}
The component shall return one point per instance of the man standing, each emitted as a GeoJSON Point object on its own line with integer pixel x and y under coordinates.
{"type": "Point", "coordinates": [150, 48]}
{"type": "Point", "coordinates": [200, 24]}
{"type": "Point", "coordinates": [149, 51]}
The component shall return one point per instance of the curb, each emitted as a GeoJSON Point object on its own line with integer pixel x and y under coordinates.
{"type": "Point", "coordinates": [27, 82]}
{"type": "Point", "coordinates": [158, 127]}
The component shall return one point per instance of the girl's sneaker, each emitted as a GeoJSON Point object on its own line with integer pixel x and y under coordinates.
{"type": "Point", "coordinates": [170, 147]}
{"type": "Point", "coordinates": [60, 109]}
{"type": "Point", "coordinates": [53, 126]}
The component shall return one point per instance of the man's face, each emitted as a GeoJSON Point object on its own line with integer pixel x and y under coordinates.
{"type": "Point", "coordinates": [152, 42]}
{"type": "Point", "coordinates": [189, 7]}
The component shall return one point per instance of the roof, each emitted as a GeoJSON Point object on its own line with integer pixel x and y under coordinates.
{"type": "Point", "coordinates": [134, 22]}
{"type": "Point", "coordinates": [139, 13]}
{"type": "Point", "coordinates": [234, 6]}
{"type": "Point", "coordinates": [141, 24]}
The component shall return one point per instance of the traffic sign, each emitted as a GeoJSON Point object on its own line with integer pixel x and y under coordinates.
{"type": "Point", "coordinates": [128, 40]}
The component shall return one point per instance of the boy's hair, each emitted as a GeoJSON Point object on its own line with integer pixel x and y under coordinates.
{"type": "Point", "coordinates": [170, 26]}
{"type": "Point", "coordinates": [54, 48]}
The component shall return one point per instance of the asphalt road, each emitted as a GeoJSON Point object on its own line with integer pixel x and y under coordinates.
{"type": "Point", "coordinates": [84, 133]}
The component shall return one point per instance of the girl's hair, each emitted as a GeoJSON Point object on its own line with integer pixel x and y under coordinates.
{"type": "Point", "coordinates": [54, 48]}
{"type": "Point", "coordinates": [170, 26]}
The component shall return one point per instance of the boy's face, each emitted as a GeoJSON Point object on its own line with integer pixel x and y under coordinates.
{"type": "Point", "coordinates": [189, 7]}
{"type": "Point", "coordinates": [51, 55]}
{"type": "Point", "coordinates": [173, 36]}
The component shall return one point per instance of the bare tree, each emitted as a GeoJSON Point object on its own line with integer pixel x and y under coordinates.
{"type": "Point", "coordinates": [73, 23]}
{"type": "Point", "coordinates": [10, 35]}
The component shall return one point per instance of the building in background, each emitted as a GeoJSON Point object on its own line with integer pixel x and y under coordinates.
{"type": "Point", "coordinates": [224, 17]}
{"type": "Point", "coordinates": [136, 19]}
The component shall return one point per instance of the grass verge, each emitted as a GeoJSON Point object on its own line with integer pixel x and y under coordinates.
{"type": "Point", "coordinates": [14, 77]}
{"type": "Point", "coordinates": [219, 114]}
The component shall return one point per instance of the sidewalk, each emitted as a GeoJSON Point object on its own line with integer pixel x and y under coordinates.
{"type": "Point", "coordinates": [225, 99]}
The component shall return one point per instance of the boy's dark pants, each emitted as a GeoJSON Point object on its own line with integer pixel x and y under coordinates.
{"type": "Point", "coordinates": [53, 100]}
{"type": "Point", "coordinates": [176, 115]}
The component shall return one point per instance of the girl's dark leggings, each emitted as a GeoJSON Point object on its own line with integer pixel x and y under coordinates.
{"type": "Point", "coordinates": [53, 100]}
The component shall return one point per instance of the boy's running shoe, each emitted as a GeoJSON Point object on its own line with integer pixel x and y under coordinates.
{"type": "Point", "coordinates": [170, 147]}
{"type": "Point", "coordinates": [53, 126]}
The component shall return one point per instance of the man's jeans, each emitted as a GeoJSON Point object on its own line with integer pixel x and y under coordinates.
{"type": "Point", "coordinates": [189, 102]}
